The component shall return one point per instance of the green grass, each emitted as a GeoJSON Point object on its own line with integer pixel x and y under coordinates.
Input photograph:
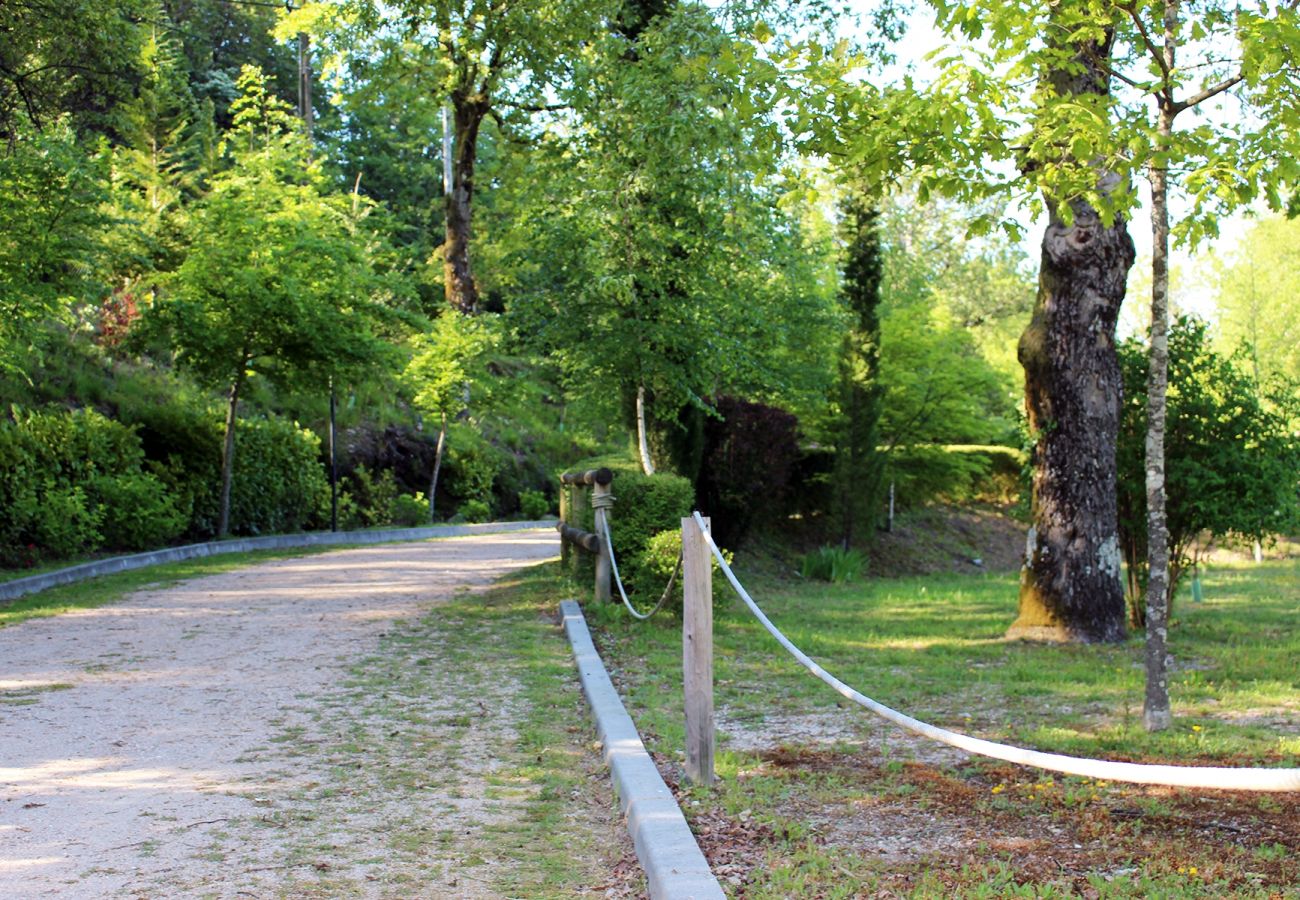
{"type": "Point", "coordinates": [933, 648]}
{"type": "Point", "coordinates": [105, 589]}
{"type": "Point", "coordinates": [421, 719]}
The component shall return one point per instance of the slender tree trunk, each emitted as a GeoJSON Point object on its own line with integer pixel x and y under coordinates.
{"type": "Point", "coordinates": [461, 291]}
{"type": "Point", "coordinates": [228, 456]}
{"type": "Point", "coordinates": [1156, 715]}
{"type": "Point", "coordinates": [437, 467]}
{"type": "Point", "coordinates": [1070, 587]}
{"type": "Point", "coordinates": [642, 437]}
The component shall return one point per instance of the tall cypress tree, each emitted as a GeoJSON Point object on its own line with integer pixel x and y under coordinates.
{"type": "Point", "coordinates": [859, 463]}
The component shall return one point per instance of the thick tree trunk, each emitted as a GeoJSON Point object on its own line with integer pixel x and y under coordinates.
{"type": "Point", "coordinates": [228, 457]}
{"type": "Point", "coordinates": [1070, 588]}
{"type": "Point", "coordinates": [437, 467]}
{"type": "Point", "coordinates": [1156, 715]}
{"type": "Point", "coordinates": [460, 290]}
{"type": "Point", "coordinates": [642, 437]}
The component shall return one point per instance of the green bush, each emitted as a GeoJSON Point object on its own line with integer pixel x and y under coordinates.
{"type": "Point", "coordinates": [644, 506]}
{"type": "Point", "coordinates": [833, 564]}
{"type": "Point", "coordinates": [137, 512]}
{"type": "Point", "coordinates": [658, 562]}
{"type": "Point", "coordinates": [410, 510]}
{"type": "Point", "coordinates": [277, 477]}
{"type": "Point", "coordinates": [534, 505]}
{"type": "Point", "coordinates": [72, 483]}
{"type": "Point", "coordinates": [474, 511]}
{"type": "Point", "coordinates": [955, 472]}
{"type": "Point", "coordinates": [470, 466]}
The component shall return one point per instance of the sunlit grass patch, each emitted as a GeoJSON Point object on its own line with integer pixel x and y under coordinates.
{"type": "Point", "coordinates": [933, 648]}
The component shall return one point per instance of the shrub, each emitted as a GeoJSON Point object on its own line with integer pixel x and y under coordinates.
{"type": "Point", "coordinates": [137, 512]}
{"type": "Point", "coordinates": [833, 564]}
{"type": "Point", "coordinates": [750, 453]}
{"type": "Point", "coordinates": [534, 505]}
{"type": "Point", "coordinates": [410, 510]}
{"type": "Point", "coordinates": [474, 511]}
{"type": "Point", "coordinates": [71, 483]}
{"type": "Point", "coordinates": [277, 477]}
{"type": "Point", "coordinates": [659, 561]}
{"type": "Point", "coordinates": [645, 505]}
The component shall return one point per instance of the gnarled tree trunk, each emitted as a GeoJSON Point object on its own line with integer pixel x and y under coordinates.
{"type": "Point", "coordinates": [1070, 587]}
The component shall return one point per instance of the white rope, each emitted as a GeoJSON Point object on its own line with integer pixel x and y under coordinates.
{"type": "Point", "coordinates": [613, 564]}
{"type": "Point", "coordinates": [1105, 770]}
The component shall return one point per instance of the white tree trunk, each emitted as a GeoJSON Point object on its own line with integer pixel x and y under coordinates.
{"type": "Point", "coordinates": [642, 440]}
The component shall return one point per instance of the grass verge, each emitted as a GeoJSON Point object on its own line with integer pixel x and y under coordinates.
{"type": "Point", "coordinates": [817, 798]}
{"type": "Point", "coordinates": [458, 759]}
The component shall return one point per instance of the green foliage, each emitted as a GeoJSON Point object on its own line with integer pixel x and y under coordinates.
{"type": "Point", "coordinates": [664, 271]}
{"type": "Point", "coordinates": [834, 564]}
{"type": "Point", "coordinates": [73, 483]}
{"type": "Point", "coordinates": [286, 491]}
{"type": "Point", "coordinates": [447, 361]}
{"type": "Point", "coordinates": [1255, 292]}
{"type": "Point", "coordinates": [368, 498]}
{"type": "Point", "coordinates": [276, 280]}
{"type": "Point", "coordinates": [51, 239]}
{"type": "Point", "coordinates": [472, 511]}
{"type": "Point", "coordinates": [955, 473]}
{"type": "Point", "coordinates": [410, 510]}
{"type": "Point", "coordinates": [645, 506]}
{"type": "Point", "coordinates": [533, 505]}
{"type": "Point", "coordinates": [650, 571]}
{"type": "Point", "coordinates": [857, 480]}
{"type": "Point", "coordinates": [278, 477]}
{"type": "Point", "coordinates": [1232, 458]}
{"type": "Point", "coordinates": [138, 512]}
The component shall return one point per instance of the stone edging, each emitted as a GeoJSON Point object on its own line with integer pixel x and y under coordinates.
{"type": "Point", "coordinates": [12, 590]}
{"type": "Point", "coordinates": [674, 866]}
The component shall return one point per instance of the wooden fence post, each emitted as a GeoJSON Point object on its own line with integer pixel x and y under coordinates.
{"type": "Point", "coordinates": [577, 503]}
{"type": "Point", "coordinates": [565, 518]}
{"type": "Point", "coordinates": [600, 503]}
{"type": "Point", "coordinates": [697, 651]}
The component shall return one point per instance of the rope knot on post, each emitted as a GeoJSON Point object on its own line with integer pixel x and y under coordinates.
{"type": "Point", "coordinates": [601, 500]}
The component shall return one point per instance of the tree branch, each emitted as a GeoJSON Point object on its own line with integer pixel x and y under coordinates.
{"type": "Point", "coordinates": [1212, 91]}
{"type": "Point", "coordinates": [1152, 47]}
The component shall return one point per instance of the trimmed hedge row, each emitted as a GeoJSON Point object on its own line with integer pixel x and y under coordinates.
{"type": "Point", "coordinates": [75, 483]}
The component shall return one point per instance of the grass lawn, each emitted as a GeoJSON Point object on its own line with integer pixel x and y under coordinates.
{"type": "Point", "coordinates": [818, 798]}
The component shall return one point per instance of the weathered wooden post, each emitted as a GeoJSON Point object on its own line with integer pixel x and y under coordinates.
{"type": "Point", "coordinates": [564, 517]}
{"type": "Point", "coordinates": [577, 503]}
{"type": "Point", "coordinates": [697, 651]}
{"type": "Point", "coordinates": [601, 502]}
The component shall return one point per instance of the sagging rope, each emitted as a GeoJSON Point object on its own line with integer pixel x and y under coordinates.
{"type": "Point", "coordinates": [1212, 777]}
{"type": "Point", "coordinates": [609, 543]}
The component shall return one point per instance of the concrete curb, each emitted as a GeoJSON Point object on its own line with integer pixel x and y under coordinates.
{"type": "Point", "coordinates": [12, 590]}
{"type": "Point", "coordinates": [674, 866]}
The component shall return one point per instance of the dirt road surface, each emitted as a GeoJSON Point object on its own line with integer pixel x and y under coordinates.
{"type": "Point", "coordinates": [163, 744]}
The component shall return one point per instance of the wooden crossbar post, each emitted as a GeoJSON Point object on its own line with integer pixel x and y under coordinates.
{"type": "Point", "coordinates": [697, 651]}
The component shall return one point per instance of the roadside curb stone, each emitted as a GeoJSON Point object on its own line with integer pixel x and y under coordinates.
{"type": "Point", "coordinates": [674, 865]}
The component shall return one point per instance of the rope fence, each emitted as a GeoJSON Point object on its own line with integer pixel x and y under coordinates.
{"type": "Point", "coordinates": [622, 592]}
{"type": "Point", "coordinates": [1210, 777]}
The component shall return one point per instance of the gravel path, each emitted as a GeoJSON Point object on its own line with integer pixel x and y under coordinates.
{"type": "Point", "coordinates": [162, 746]}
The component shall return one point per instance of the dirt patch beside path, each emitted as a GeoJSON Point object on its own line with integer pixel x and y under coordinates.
{"type": "Point", "coordinates": [194, 740]}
